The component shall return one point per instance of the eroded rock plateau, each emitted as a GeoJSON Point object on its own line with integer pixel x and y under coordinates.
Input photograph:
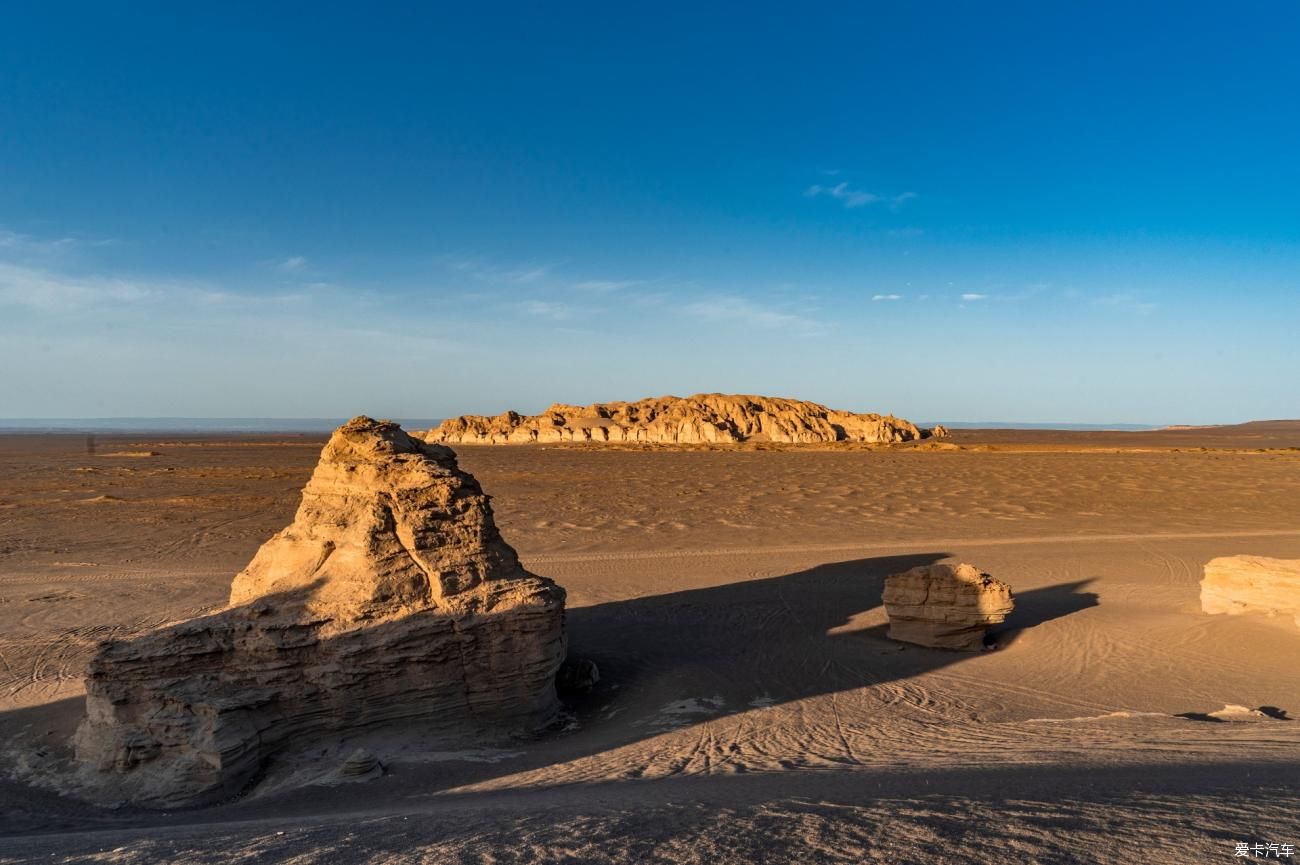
{"type": "Point", "coordinates": [701, 419]}
{"type": "Point", "coordinates": [1252, 584]}
{"type": "Point", "coordinates": [391, 599]}
{"type": "Point", "coordinates": [945, 606]}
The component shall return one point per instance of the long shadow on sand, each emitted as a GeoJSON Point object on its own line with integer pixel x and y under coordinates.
{"type": "Point", "coordinates": [700, 654]}
{"type": "Point", "coordinates": [765, 642]}
{"type": "Point", "coordinates": [682, 657]}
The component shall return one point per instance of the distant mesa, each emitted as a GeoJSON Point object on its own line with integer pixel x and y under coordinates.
{"type": "Point", "coordinates": [945, 606]}
{"type": "Point", "coordinates": [707, 418]}
{"type": "Point", "coordinates": [1234, 585]}
{"type": "Point", "coordinates": [390, 600]}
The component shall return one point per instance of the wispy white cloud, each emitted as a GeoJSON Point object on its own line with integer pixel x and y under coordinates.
{"type": "Point", "coordinates": [899, 200]}
{"type": "Point", "coordinates": [852, 197]}
{"type": "Point", "coordinates": [738, 310]}
{"type": "Point", "coordinates": [486, 271]}
{"type": "Point", "coordinates": [546, 309]}
{"type": "Point", "coordinates": [843, 192]}
{"type": "Point", "coordinates": [526, 275]}
{"type": "Point", "coordinates": [235, 299]}
{"type": "Point", "coordinates": [48, 291]}
{"type": "Point", "coordinates": [14, 242]}
{"type": "Point", "coordinates": [292, 264]}
{"type": "Point", "coordinates": [165, 340]}
{"type": "Point", "coordinates": [46, 251]}
{"type": "Point", "coordinates": [970, 297]}
{"type": "Point", "coordinates": [605, 286]}
{"type": "Point", "coordinates": [55, 292]}
{"type": "Point", "coordinates": [887, 297]}
{"type": "Point", "coordinates": [1126, 302]}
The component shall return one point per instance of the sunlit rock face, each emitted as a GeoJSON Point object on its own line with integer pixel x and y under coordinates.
{"type": "Point", "coordinates": [391, 599]}
{"type": "Point", "coordinates": [945, 606]}
{"type": "Point", "coordinates": [709, 418]}
{"type": "Point", "coordinates": [1252, 584]}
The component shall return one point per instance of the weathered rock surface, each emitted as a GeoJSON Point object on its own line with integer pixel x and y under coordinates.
{"type": "Point", "coordinates": [701, 419]}
{"type": "Point", "coordinates": [391, 599]}
{"type": "Point", "coordinates": [1252, 584]}
{"type": "Point", "coordinates": [361, 764]}
{"type": "Point", "coordinates": [945, 606]}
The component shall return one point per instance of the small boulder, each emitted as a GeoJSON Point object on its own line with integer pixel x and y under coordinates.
{"type": "Point", "coordinates": [945, 606]}
{"type": "Point", "coordinates": [577, 676]}
{"type": "Point", "coordinates": [1252, 584]}
{"type": "Point", "coordinates": [361, 764]}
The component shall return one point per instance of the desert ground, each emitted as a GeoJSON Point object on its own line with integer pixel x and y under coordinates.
{"type": "Point", "coordinates": [750, 708]}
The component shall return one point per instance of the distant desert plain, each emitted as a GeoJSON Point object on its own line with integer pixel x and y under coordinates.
{"type": "Point", "coordinates": [750, 707]}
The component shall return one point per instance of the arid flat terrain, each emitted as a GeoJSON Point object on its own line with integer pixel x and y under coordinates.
{"type": "Point", "coordinates": [750, 707]}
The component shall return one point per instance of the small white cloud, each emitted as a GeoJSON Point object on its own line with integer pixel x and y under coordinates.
{"type": "Point", "coordinates": [887, 297]}
{"type": "Point", "coordinates": [292, 264]}
{"type": "Point", "coordinates": [843, 192]}
{"type": "Point", "coordinates": [856, 197]}
{"type": "Point", "coordinates": [969, 297]}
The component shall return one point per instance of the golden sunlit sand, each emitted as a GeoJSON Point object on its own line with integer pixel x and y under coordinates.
{"type": "Point", "coordinates": [749, 699]}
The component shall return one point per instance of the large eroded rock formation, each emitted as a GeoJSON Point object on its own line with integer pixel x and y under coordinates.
{"type": "Point", "coordinates": [391, 599]}
{"type": "Point", "coordinates": [945, 606]}
{"type": "Point", "coordinates": [701, 419]}
{"type": "Point", "coordinates": [1252, 584]}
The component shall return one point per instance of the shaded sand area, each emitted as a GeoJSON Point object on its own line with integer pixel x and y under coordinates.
{"type": "Point", "coordinates": [750, 707]}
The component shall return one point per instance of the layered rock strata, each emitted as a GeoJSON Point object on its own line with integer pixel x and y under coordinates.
{"type": "Point", "coordinates": [391, 599]}
{"type": "Point", "coordinates": [945, 606]}
{"type": "Point", "coordinates": [1252, 584]}
{"type": "Point", "coordinates": [700, 419]}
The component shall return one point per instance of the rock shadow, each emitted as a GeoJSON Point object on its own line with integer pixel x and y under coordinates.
{"type": "Point", "coordinates": [689, 656]}
{"type": "Point", "coordinates": [770, 641]}
{"type": "Point", "coordinates": [1035, 607]}
{"type": "Point", "coordinates": [1200, 716]}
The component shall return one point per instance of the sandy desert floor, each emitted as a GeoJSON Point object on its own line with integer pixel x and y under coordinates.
{"type": "Point", "coordinates": [750, 709]}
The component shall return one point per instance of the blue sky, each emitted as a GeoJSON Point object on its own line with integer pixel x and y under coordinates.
{"type": "Point", "coordinates": [1019, 211]}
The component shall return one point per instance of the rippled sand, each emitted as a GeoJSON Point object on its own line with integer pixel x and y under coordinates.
{"type": "Point", "coordinates": [750, 708]}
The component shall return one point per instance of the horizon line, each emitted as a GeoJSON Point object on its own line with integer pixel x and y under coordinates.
{"type": "Point", "coordinates": [208, 420]}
